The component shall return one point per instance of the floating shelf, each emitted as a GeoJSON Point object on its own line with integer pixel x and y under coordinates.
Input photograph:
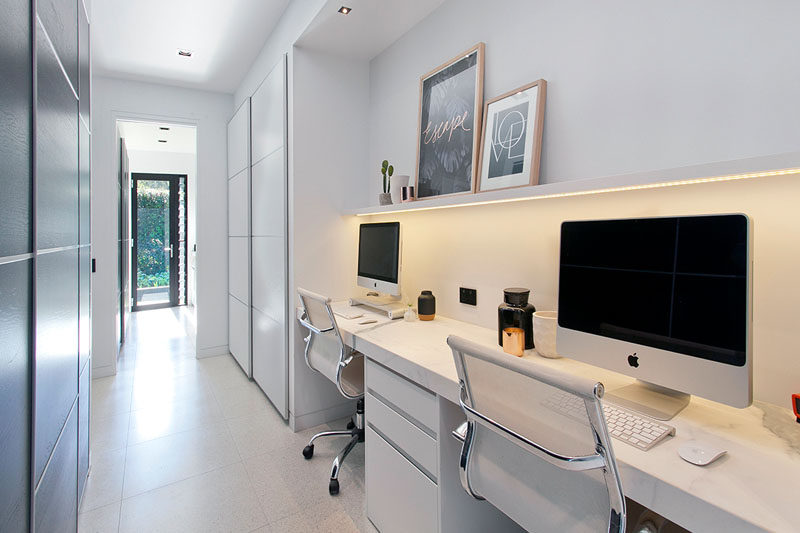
{"type": "Point", "coordinates": [759, 167]}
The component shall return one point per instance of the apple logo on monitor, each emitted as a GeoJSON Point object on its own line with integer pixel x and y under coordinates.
{"type": "Point", "coordinates": [633, 360]}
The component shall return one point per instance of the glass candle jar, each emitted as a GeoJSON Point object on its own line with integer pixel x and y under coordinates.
{"type": "Point", "coordinates": [516, 312]}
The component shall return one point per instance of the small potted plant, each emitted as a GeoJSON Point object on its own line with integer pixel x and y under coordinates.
{"type": "Point", "coordinates": [385, 198]}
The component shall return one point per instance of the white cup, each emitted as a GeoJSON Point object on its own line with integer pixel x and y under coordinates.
{"type": "Point", "coordinates": [544, 333]}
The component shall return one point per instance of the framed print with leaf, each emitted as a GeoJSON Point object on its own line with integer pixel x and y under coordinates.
{"type": "Point", "coordinates": [450, 107]}
{"type": "Point", "coordinates": [511, 138]}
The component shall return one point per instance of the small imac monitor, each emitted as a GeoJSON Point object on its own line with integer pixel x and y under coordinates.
{"type": "Point", "coordinates": [379, 257]}
{"type": "Point", "coordinates": [664, 300]}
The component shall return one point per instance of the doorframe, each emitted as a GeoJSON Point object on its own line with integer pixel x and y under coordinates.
{"type": "Point", "coordinates": [174, 282]}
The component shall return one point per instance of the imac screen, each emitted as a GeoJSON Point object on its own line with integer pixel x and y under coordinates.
{"type": "Point", "coordinates": [678, 284]}
{"type": "Point", "coordinates": [379, 251]}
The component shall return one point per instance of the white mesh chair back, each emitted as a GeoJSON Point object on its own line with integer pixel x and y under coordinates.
{"type": "Point", "coordinates": [325, 351]}
{"type": "Point", "coordinates": [536, 444]}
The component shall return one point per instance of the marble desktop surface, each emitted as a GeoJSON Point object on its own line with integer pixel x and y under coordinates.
{"type": "Point", "coordinates": [753, 488]}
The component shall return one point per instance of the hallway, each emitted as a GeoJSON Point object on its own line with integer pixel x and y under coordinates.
{"type": "Point", "coordinates": [186, 444]}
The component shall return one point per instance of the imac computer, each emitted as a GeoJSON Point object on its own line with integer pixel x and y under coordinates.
{"type": "Point", "coordinates": [664, 300]}
{"type": "Point", "coordinates": [379, 253]}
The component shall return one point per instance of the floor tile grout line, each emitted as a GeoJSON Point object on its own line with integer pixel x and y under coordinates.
{"type": "Point", "coordinates": [199, 474]}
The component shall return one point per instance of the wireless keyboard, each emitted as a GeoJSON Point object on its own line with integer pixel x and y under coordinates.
{"type": "Point", "coordinates": [633, 428]}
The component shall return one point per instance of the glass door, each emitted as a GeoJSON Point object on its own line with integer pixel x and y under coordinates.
{"type": "Point", "coordinates": [159, 240]}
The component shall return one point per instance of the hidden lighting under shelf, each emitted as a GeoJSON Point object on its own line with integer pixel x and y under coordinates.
{"type": "Point", "coordinates": [620, 188]}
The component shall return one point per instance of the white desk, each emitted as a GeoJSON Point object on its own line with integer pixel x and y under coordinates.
{"type": "Point", "coordinates": [754, 487]}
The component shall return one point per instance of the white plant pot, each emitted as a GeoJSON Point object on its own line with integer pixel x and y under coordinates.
{"type": "Point", "coordinates": [398, 182]}
{"type": "Point", "coordinates": [544, 333]}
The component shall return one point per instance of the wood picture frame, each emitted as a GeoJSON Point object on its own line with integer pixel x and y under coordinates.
{"type": "Point", "coordinates": [450, 107]}
{"type": "Point", "coordinates": [500, 165]}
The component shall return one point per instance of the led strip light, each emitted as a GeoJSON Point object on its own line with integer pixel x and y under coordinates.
{"type": "Point", "coordinates": [692, 181]}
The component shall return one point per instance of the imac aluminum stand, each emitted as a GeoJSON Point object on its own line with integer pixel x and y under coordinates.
{"type": "Point", "coordinates": [393, 307]}
{"type": "Point", "coordinates": [649, 399]}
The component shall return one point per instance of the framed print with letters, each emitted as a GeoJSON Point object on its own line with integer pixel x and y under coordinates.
{"type": "Point", "coordinates": [450, 107]}
{"type": "Point", "coordinates": [511, 139]}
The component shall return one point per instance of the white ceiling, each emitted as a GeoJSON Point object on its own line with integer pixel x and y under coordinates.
{"type": "Point", "coordinates": [145, 136]}
{"type": "Point", "coordinates": [140, 39]}
{"type": "Point", "coordinates": [368, 29]}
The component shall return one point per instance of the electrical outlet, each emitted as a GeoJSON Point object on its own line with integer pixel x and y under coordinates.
{"type": "Point", "coordinates": [468, 296]}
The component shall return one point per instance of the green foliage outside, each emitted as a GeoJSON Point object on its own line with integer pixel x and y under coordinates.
{"type": "Point", "coordinates": [153, 232]}
{"type": "Point", "coordinates": [153, 280]}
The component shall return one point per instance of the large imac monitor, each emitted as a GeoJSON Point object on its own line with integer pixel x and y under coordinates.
{"type": "Point", "coordinates": [379, 257]}
{"type": "Point", "coordinates": [664, 300]}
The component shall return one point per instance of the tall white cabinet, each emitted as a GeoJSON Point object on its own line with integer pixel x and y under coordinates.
{"type": "Point", "coordinates": [239, 323]}
{"type": "Point", "coordinates": [258, 238]}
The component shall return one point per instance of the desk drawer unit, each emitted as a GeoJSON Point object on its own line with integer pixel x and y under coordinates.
{"type": "Point", "coordinates": [413, 401]}
{"type": "Point", "coordinates": [400, 497]}
{"type": "Point", "coordinates": [412, 442]}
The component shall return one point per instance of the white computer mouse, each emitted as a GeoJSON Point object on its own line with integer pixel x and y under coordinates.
{"type": "Point", "coordinates": [700, 453]}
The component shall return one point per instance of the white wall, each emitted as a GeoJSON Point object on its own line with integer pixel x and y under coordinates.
{"type": "Point", "coordinates": [117, 99]}
{"type": "Point", "coordinates": [150, 161]}
{"type": "Point", "coordinates": [294, 20]}
{"type": "Point", "coordinates": [631, 85]}
{"type": "Point", "coordinates": [323, 157]}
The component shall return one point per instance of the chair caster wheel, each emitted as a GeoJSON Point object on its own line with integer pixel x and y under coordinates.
{"type": "Point", "coordinates": [333, 487]}
{"type": "Point", "coordinates": [351, 425]}
{"type": "Point", "coordinates": [308, 451]}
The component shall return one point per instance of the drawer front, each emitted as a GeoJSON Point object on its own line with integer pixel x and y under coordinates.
{"type": "Point", "coordinates": [400, 498]}
{"type": "Point", "coordinates": [411, 441]}
{"type": "Point", "coordinates": [399, 392]}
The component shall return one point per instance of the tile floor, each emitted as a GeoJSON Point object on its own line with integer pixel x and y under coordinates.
{"type": "Point", "coordinates": [181, 444]}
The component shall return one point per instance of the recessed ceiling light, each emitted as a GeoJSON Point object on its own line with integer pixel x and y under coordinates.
{"type": "Point", "coordinates": [344, 10]}
{"type": "Point", "coordinates": [163, 128]}
{"type": "Point", "coordinates": [184, 53]}
{"type": "Point", "coordinates": [162, 140]}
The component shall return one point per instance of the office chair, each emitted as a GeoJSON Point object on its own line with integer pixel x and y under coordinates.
{"type": "Point", "coordinates": [327, 354]}
{"type": "Point", "coordinates": [535, 443]}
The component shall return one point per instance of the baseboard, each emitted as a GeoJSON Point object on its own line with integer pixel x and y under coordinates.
{"type": "Point", "coordinates": [309, 420]}
{"type": "Point", "coordinates": [103, 371]}
{"type": "Point", "coordinates": [213, 351]}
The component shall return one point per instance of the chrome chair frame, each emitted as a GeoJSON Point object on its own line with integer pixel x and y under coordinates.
{"type": "Point", "coordinates": [603, 457]}
{"type": "Point", "coordinates": [355, 428]}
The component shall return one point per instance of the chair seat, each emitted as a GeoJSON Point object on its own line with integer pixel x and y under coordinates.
{"type": "Point", "coordinates": [353, 376]}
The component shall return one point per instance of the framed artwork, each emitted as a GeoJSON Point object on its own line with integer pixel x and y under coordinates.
{"type": "Point", "coordinates": [511, 138]}
{"type": "Point", "coordinates": [450, 106]}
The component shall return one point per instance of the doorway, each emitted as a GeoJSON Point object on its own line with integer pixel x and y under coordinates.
{"type": "Point", "coordinates": [159, 224]}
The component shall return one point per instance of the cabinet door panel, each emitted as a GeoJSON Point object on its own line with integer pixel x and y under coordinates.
{"type": "Point", "coordinates": [56, 348]}
{"type": "Point", "coordinates": [269, 113]}
{"type": "Point", "coordinates": [15, 128]}
{"type": "Point", "coordinates": [15, 307]}
{"type": "Point", "coordinates": [239, 332]}
{"type": "Point", "coordinates": [85, 186]}
{"type": "Point", "coordinates": [269, 276]}
{"type": "Point", "coordinates": [84, 306]}
{"type": "Point", "coordinates": [269, 196]}
{"type": "Point", "coordinates": [56, 153]}
{"type": "Point", "coordinates": [238, 205]}
{"type": "Point", "coordinates": [239, 268]}
{"type": "Point", "coordinates": [59, 18]}
{"type": "Point", "coordinates": [84, 396]}
{"type": "Point", "coordinates": [270, 364]}
{"type": "Point", "coordinates": [239, 140]}
{"type": "Point", "coordinates": [56, 500]}
{"type": "Point", "coordinates": [84, 76]}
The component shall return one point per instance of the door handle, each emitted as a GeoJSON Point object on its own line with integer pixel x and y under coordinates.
{"type": "Point", "coordinates": [168, 249]}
